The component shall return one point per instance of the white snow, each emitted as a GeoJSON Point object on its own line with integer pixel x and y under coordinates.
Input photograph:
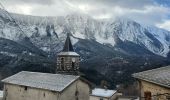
{"type": "Point", "coordinates": [103, 92]}
{"type": "Point", "coordinates": [69, 53]}
{"type": "Point", "coordinates": [85, 27]}
{"type": "Point", "coordinates": [8, 53]}
{"type": "Point", "coordinates": [101, 40]}
{"type": "Point", "coordinates": [74, 40]}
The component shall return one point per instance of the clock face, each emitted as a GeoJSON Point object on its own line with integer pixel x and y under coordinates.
{"type": "Point", "coordinates": [73, 60]}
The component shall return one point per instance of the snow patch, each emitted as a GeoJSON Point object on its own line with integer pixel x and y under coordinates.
{"type": "Point", "coordinates": [103, 92]}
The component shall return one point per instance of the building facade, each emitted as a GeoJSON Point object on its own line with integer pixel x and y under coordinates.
{"type": "Point", "coordinates": [103, 94]}
{"type": "Point", "coordinates": [154, 84]}
{"type": "Point", "coordinates": [43, 86]}
{"type": "Point", "coordinates": [68, 60]}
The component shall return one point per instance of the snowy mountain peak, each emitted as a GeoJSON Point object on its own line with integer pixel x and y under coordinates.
{"type": "Point", "coordinates": [49, 32]}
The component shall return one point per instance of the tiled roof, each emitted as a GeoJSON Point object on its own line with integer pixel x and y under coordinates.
{"type": "Point", "coordinates": [102, 92]}
{"type": "Point", "coordinates": [53, 82]}
{"type": "Point", "coordinates": [160, 76]}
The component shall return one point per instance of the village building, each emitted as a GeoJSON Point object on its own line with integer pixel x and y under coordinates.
{"type": "Point", "coordinates": [44, 86]}
{"type": "Point", "coordinates": [103, 94]}
{"type": "Point", "coordinates": [1, 95]}
{"type": "Point", "coordinates": [68, 60]}
{"type": "Point", "coordinates": [154, 84]}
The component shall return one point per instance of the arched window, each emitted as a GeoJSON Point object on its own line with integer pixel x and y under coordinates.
{"type": "Point", "coordinates": [62, 63]}
{"type": "Point", "coordinates": [73, 63]}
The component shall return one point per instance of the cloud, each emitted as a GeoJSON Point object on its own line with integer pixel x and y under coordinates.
{"type": "Point", "coordinates": [151, 12]}
{"type": "Point", "coordinates": [110, 3]}
{"type": "Point", "coordinates": [39, 2]}
{"type": "Point", "coordinates": [164, 25]}
{"type": "Point", "coordinates": [143, 11]}
{"type": "Point", "coordinates": [150, 15]}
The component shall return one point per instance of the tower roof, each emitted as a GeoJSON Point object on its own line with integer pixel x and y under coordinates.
{"type": "Point", "coordinates": [68, 45]}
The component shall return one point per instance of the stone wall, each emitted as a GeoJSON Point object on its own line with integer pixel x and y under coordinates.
{"type": "Point", "coordinates": [16, 92]}
{"type": "Point", "coordinates": [64, 63]}
{"type": "Point", "coordinates": [154, 89]}
{"type": "Point", "coordinates": [82, 89]}
{"type": "Point", "coordinates": [77, 89]}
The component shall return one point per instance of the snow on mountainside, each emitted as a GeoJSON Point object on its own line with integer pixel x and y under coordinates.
{"type": "Point", "coordinates": [48, 33]}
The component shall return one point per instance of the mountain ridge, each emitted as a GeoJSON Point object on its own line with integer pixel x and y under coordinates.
{"type": "Point", "coordinates": [85, 27]}
{"type": "Point", "coordinates": [108, 48]}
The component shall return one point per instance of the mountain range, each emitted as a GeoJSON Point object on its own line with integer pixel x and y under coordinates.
{"type": "Point", "coordinates": [110, 49]}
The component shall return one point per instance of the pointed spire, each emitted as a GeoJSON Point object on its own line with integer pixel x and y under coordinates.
{"type": "Point", "coordinates": [68, 45]}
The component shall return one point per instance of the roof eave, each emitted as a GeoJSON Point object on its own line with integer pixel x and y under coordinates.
{"type": "Point", "coordinates": [167, 86]}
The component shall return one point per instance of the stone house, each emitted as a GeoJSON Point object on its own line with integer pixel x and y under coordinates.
{"type": "Point", "coordinates": [44, 86]}
{"type": "Point", "coordinates": [103, 94]}
{"type": "Point", "coordinates": [154, 84]}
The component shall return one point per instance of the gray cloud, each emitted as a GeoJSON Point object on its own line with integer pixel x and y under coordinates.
{"type": "Point", "coordinates": [137, 4]}
{"type": "Point", "coordinates": [40, 2]}
{"type": "Point", "coordinates": [143, 11]}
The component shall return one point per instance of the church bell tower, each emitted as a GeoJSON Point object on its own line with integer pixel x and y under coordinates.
{"type": "Point", "coordinates": [68, 60]}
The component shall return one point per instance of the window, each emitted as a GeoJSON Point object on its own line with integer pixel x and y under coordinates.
{"type": "Point", "coordinates": [168, 97]}
{"type": "Point", "coordinates": [44, 94]}
{"type": "Point", "coordinates": [101, 98]}
{"type": "Point", "coordinates": [25, 88]}
{"type": "Point", "coordinates": [73, 65]}
{"type": "Point", "coordinates": [147, 95]}
{"type": "Point", "coordinates": [62, 63]}
{"type": "Point", "coordinates": [76, 93]}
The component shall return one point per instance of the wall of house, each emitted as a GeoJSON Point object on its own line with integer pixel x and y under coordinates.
{"type": "Point", "coordinates": [154, 89]}
{"type": "Point", "coordinates": [16, 92]}
{"type": "Point", "coordinates": [70, 92]}
{"type": "Point", "coordinates": [114, 97]}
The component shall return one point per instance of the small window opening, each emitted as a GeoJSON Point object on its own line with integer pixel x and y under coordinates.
{"type": "Point", "coordinates": [101, 98]}
{"type": "Point", "coordinates": [76, 93]}
{"type": "Point", "coordinates": [25, 88]}
{"type": "Point", "coordinates": [62, 63]}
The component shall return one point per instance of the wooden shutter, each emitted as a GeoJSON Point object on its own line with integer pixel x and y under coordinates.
{"type": "Point", "coordinates": [147, 95]}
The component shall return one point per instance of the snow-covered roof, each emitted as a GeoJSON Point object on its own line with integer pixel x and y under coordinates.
{"type": "Point", "coordinates": [68, 53]}
{"type": "Point", "coordinates": [103, 92]}
{"type": "Point", "coordinates": [160, 76]}
{"type": "Point", "coordinates": [53, 82]}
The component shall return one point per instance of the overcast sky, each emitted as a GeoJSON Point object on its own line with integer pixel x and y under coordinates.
{"type": "Point", "coordinates": [150, 12]}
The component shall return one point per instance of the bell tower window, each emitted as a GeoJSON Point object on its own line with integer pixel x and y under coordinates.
{"type": "Point", "coordinates": [73, 63]}
{"type": "Point", "coordinates": [62, 63]}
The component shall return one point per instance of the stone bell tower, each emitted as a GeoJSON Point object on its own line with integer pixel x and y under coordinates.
{"type": "Point", "coordinates": [68, 60]}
